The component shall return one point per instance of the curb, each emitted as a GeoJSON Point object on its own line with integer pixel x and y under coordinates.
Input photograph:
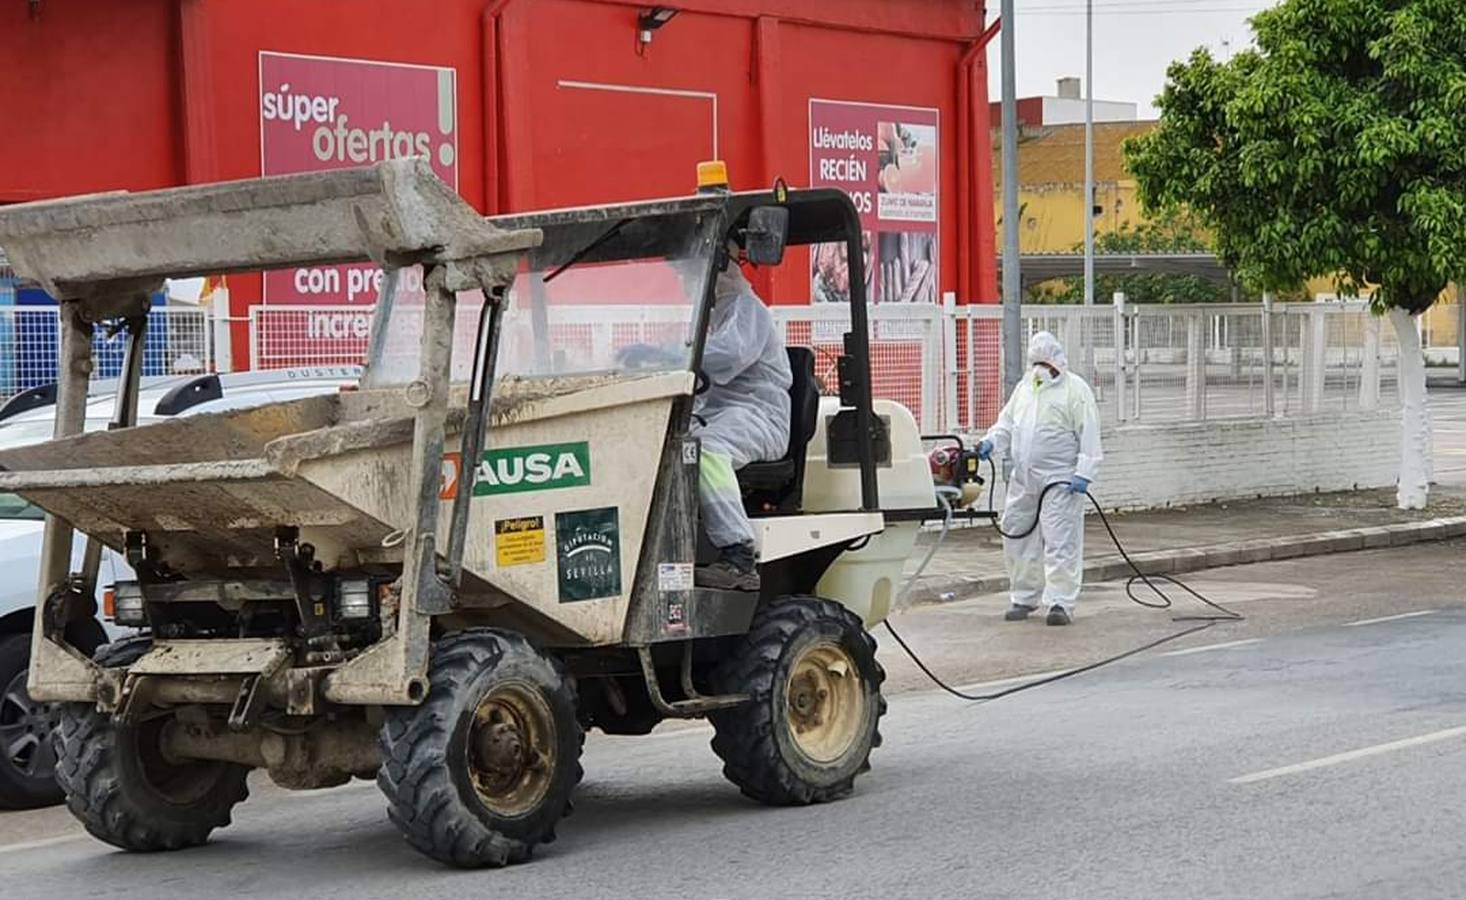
{"type": "Point", "coordinates": [1194, 559]}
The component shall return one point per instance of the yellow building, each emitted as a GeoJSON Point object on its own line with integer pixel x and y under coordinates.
{"type": "Point", "coordinates": [1441, 322]}
{"type": "Point", "coordinates": [1051, 188]}
{"type": "Point", "coordinates": [1051, 202]}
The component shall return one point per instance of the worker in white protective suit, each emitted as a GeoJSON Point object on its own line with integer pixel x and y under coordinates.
{"type": "Point", "coordinates": [742, 417]}
{"type": "Point", "coordinates": [1050, 430]}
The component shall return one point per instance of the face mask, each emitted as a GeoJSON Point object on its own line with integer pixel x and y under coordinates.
{"type": "Point", "coordinates": [1042, 375]}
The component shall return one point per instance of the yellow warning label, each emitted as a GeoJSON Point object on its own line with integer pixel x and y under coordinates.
{"type": "Point", "coordinates": [519, 542]}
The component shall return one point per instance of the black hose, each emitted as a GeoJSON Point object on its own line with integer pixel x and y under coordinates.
{"type": "Point", "coordinates": [1028, 685]}
{"type": "Point", "coordinates": [1223, 614]}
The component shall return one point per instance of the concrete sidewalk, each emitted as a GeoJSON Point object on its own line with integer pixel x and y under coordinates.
{"type": "Point", "coordinates": [970, 561]}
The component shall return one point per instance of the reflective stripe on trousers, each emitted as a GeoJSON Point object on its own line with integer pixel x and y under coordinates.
{"type": "Point", "coordinates": [723, 516]}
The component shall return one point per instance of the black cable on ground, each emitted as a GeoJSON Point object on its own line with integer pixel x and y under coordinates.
{"type": "Point", "coordinates": [1029, 685]}
{"type": "Point", "coordinates": [1223, 614]}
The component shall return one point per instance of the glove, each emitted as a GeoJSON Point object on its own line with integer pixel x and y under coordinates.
{"type": "Point", "coordinates": [1079, 485]}
{"type": "Point", "coordinates": [985, 450]}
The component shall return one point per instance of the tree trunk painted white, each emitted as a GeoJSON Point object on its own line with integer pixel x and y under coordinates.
{"type": "Point", "coordinates": [1415, 456]}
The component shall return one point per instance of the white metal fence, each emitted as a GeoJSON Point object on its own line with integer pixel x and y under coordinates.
{"type": "Point", "coordinates": [1170, 363]}
{"type": "Point", "coordinates": [178, 342]}
{"type": "Point", "coordinates": [285, 336]}
{"type": "Point", "coordinates": [1146, 363]}
{"type": "Point", "coordinates": [1205, 361]}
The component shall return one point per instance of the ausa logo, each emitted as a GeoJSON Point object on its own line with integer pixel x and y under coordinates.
{"type": "Point", "coordinates": [540, 468]}
{"type": "Point", "coordinates": [519, 469]}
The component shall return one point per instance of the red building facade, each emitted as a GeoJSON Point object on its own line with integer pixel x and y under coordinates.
{"type": "Point", "coordinates": [523, 104]}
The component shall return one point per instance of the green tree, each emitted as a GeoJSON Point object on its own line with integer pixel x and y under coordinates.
{"type": "Point", "coordinates": [1336, 148]}
{"type": "Point", "coordinates": [1170, 231]}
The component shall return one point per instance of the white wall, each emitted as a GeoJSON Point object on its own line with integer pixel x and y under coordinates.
{"type": "Point", "coordinates": [1064, 111]}
{"type": "Point", "coordinates": [1149, 466]}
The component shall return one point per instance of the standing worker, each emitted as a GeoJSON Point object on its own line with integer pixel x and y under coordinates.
{"type": "Point", "coordinates": [1050, 429]}
{"type": "Point", "coordinates": [742, 417]}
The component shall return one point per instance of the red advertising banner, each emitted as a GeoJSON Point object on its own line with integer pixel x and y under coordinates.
{"type": "Point", "coordinates": [322, 113]}
{"type": "Point", "coordinates": [887, 159]}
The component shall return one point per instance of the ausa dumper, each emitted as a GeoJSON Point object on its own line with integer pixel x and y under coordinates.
{"type": "Point", "coordinates": [442, 578]}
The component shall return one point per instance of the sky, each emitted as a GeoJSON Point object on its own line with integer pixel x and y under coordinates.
{"type": "Point", "coordinates": [1134, 42]}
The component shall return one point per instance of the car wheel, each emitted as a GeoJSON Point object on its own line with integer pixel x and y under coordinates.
{"type": "Point", "coordinates": [27, 759]}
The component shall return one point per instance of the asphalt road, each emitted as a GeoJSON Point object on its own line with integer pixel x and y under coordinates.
{"type": "Point", "coordinates": [1312, 752]}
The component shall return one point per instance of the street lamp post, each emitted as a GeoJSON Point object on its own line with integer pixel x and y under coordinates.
{"type": "Point", "coordinates": [1089, 153]}
{"type": "Point", "coordinates": [1012, 283]}
{"type": "Point", "coordinates": [1088, 179]}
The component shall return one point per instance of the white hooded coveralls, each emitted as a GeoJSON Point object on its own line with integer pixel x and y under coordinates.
{"type": "Point", "coordinates": [1050, 430]}
{"type": "Point", "coordinates": [744, 413]}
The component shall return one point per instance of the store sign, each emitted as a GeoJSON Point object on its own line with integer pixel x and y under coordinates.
{"type": "Point", "coordinates": [319, 114]}
{"type": "Point", "coordinates": [887, 158]}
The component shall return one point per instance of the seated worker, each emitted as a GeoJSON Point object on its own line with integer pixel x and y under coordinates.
{"type": "Point", "coordinates": [742, 417]}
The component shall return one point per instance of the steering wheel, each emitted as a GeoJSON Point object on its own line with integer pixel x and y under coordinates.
{"type": "Point", "coordinates": [644, 356]}
{"type": "Point", "coordinates": [635, 357]}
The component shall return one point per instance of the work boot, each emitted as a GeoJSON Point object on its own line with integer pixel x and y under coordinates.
{"type": "Point", "coordinates": [1018, 612]}
{"type": "Point", "coordinates": [1058, 616]}
{"type": "Point", "coordinates": [736, 569]}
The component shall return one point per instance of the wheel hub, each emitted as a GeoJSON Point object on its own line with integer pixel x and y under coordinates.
{"type": "Point", "coordinates": [25, 731]}
{"type": "Point", "coordinates": [807, 699]}
{"type": "Point", "coordinates": [501, 748]}
{"type": "Point", "coordinates": [510, 749]}
{"type": "Point", "coordinates": [825, 702]}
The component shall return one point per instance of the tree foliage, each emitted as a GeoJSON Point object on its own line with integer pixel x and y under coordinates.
{"type": "Point", "coordinates": [1336, 147]}
{"type": "Point", "coordinates": [1170, 231]}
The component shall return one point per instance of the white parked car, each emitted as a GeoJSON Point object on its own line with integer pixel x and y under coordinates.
{"type": "Point", "coordinates": [27, 764]}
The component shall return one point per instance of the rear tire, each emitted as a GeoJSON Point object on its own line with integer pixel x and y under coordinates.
{"type": "Point", "coordinates": [27, 760]}
{"type": "Point", "coordinates": [121, 786]}
{"type": "Point", "coordinates": [810, 668]}
{"type": "Point", "coordinates": [482, 771]}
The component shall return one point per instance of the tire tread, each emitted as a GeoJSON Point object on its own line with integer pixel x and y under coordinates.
{"type": "Point", "coordinates": [744, 735]}
{"type": "Point", "coordinates": [423, 801]}
{"type": "Point", "coordinates": [88, 773]}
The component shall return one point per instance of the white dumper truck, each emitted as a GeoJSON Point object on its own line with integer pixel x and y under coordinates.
{"type": "Point", "coordinates": [441, 579]}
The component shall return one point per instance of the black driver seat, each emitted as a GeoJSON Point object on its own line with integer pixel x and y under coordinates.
{"type": "Point", "coordinates": [778, 486]}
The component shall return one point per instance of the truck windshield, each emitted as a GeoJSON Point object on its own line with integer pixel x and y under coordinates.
{"type": "Point", "coordinates": [623, 296]}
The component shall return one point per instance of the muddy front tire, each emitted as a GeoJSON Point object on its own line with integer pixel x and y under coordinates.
{"type": "Point", "coordinates": [810, 668]}
{"type": "Point", "coordinates": [482, 771]}
{"type": "Point", "coordinates": [122, 787]}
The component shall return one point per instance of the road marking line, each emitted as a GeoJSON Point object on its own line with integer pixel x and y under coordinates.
{"type": "Point", "coordinates": [1409, 615]}
{"type": "Point", "coordinates": [1351, 755]}
{"type": "Point", "coordinates": [1210, 647]}
{"type": "Point", "coordinates": [41, 844]}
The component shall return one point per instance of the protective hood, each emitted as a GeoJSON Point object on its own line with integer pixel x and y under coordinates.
{"type": "Point", "coordinates": [1045, 348]}
{"type": "Point", "coordinates": [731, 281]}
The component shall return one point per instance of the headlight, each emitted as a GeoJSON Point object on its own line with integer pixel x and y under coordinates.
{"type": "Point", "coordinates": [354, 599]}
{"type": "Point", "coordinates": [124, 603]}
